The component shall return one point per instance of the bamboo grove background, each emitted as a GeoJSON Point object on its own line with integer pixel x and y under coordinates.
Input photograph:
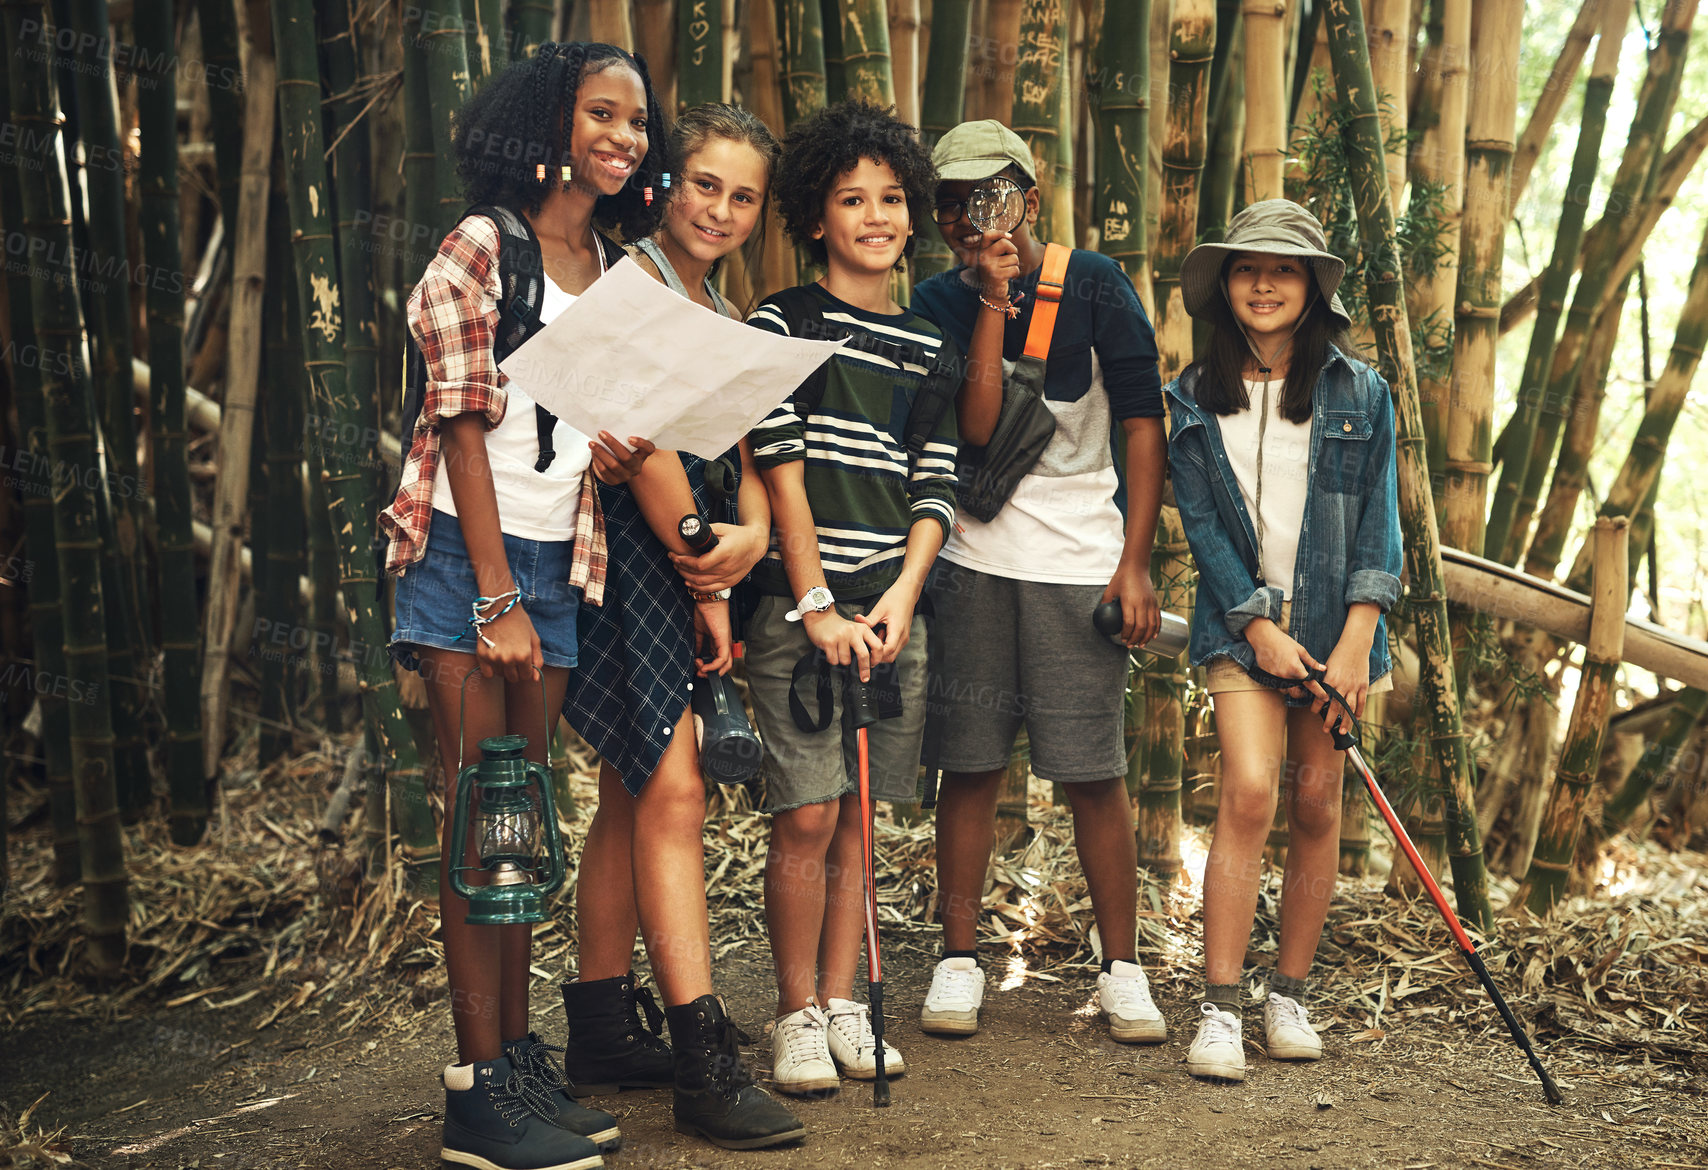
{"type": "Point", "coordinates": [213, 211]}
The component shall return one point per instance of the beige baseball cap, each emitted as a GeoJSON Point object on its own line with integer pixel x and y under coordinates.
{"type": "Point", "coordinates": [978, 150]}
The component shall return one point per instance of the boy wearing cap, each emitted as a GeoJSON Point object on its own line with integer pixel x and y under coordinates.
{"type": "Point", "coordinates": [1014, 596]}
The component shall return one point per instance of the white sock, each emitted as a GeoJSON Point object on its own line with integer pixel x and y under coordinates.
{"type": "Point", "coordinates": [459, 1077]}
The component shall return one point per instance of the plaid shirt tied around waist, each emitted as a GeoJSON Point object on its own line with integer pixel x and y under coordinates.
{"type": "Point", "coordinates": [453, 316]}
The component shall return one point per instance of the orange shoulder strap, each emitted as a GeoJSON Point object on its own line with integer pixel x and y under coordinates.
{"type": "Point", "coordinates": [1049, 300]}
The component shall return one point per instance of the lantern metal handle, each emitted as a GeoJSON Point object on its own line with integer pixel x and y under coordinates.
{"type": "Point", "coordinates": [463, 710]}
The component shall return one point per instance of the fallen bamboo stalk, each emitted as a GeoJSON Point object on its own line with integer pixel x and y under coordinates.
{"type": "Point", "coordinates": [204, 413]}
{"type": "Point", "coordinates": [1504, 592]}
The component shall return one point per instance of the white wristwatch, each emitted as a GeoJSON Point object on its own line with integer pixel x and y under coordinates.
{"type": "Point", "coordinates": [817, 600]}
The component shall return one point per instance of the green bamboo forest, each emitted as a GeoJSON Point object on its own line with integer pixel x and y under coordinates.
{"type": "Point", "coordinates": [219, 789]}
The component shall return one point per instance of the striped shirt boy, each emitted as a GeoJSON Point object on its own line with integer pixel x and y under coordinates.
{"type": "Point", "coordinates": [864, 494]}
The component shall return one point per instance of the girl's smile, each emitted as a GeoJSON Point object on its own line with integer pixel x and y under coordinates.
{"type": "Point", "coordinates": [1268, 293]}
{"type": "Point", "coordinates": [718, 202]}
{"type": "Point", "coordinates": [610, 123]}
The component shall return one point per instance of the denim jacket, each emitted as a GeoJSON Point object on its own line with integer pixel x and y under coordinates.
{"type": "Point", "coordinates": [1349, 543]}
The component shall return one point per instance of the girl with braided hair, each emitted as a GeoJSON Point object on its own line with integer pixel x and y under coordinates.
{"type": "Point", "coordinates": [497, 537]}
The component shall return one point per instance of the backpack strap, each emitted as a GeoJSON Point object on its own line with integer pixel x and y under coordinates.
{"type": "Point", "coordinates": [1049, 299]}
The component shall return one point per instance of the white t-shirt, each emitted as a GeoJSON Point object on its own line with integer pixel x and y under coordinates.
{"type": "Point", "coordinates": [535, 505]}
{"type": "Point", "coordinates": [1061, 524]}
{"type": "Point", "coordinates": [1286, 456]}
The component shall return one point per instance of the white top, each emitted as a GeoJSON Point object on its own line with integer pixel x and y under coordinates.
{"type": "Point", "coordinates": [1061, 524]}
{"type": "Point", "coordinates": [1286, 453]}
{"type": "Point", "coordinates": [535, 505]}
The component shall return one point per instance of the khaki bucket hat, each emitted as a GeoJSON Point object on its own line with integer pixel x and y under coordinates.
{"type": "Point", "coordinates": [1277, 226]}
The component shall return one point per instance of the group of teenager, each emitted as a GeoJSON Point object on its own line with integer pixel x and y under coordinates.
{"type": "Point", "coordinates": [531, 555]}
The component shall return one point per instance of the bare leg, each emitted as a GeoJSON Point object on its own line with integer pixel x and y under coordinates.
{"type": "Point", "coordinates": [795, 896]}
{"type": "Point", "coordinates": [844, 905]}
{"type": "Point", "coordinates": [1251, 726]}
{"type": "Point", "coordinates": [966, 834]}
{"type": "Point", "coordinates": [606, 918]}
{"type": "Point", "coordinates": [669, 870]}
{"type": "Point", "coordinates": [1313, 840]}
{"type": "Point", "coordinates": [1108, 853]}
{"type": "Point", "coordinates": [486, 967]}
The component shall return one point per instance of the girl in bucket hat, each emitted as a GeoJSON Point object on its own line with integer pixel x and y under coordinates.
{"type": "Point", "coordinates": [1281, 448]}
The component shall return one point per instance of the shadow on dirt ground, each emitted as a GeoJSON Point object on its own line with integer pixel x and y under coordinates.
{"type": "Point", "coordinates": [1040, 1085]}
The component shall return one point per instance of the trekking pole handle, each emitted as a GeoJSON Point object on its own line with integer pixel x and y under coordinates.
{"type": "Point", "coordinates": [861, 697]}
{"type": "Point", "coordinates": [697, 534]}
{"type": "Point", "coordinates": [1171, 637]}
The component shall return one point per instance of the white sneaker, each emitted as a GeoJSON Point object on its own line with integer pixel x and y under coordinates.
{"type": "Point", "coordinates": [800, 1053]}
{"type": "Point", "coordinates": [1217, 1050]}
{"type": "Point", "coordinates": [1287, 1031]}
{"type": "Point", "coordinates": [1124, 994]}
{"type": "Point", "coordinates": [852, 1045]}
{"type": "Point", "coordinates": [952, 1005]}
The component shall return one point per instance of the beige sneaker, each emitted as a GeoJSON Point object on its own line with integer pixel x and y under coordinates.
{"type": "Point", "coordinates": [952, 1005]}
{"type": "Point", "coordinates": [800, 1053]}
{"type": "Point", "coordinates": [853, 1046]}
{"type": "Point", "coordinates": [1287, 1031]}
{"type": "Point", "coordinates": [1124, 994]}
{"type": "Point", "coordinates": [1218, 1050]}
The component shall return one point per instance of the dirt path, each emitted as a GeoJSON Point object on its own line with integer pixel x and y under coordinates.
{"type": "Point", "coordinates": [1039, 1086]}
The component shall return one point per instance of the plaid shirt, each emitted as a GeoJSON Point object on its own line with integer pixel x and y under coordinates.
{"type": "Point", "coordinates": [453, 315]}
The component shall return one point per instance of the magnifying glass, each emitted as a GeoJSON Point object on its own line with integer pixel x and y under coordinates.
{"type": "Point", "coordinates": [996, 204]}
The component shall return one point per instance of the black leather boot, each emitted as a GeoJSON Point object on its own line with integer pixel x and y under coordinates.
{"type": "Point", "coordinates": [609, 1048]}
{"type": "Point", "coordinates": [496, 1117]}
{"type": "Point", "coordinates": [715, 1094]}
{"type": "Point", "coordinates": [537, 1058]}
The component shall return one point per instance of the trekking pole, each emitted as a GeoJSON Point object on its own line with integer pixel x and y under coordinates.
{"type": "Point", "coordinates": [1351, 742]}
{"type": "Point", "coordinates": [863, 705]}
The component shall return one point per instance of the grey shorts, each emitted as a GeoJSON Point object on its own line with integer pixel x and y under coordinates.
{"type": "Point", "coordinates": [805, 767]}
{"type": "Point", "coordinates": [1010, 654]}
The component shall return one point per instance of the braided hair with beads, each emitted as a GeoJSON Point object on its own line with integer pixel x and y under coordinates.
{"type": "Point", "coordinates": [512, 138]}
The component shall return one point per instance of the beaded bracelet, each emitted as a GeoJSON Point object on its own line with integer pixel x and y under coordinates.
{"type": "Point", "coordinates": [1009, 310]}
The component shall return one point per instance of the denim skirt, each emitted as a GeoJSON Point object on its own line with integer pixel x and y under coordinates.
{"type": "Point", "coordinates": [434, 595]}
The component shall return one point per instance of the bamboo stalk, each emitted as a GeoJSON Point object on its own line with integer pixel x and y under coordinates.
{"type": "Point", "coordinates": [419, 159]}
{"type": "Point", "coordinates": [1002, 49]}
{"type": "Point", "coordinates": [866, 74]}
{"type": "Point", "coordinates": [835, 81]}
{"type": "Point", "coordinates": [276, 534]}
{"type": "Point", "coordinates": [1121, 97]}
{"type": "Point", "coordinates": [530, 24]}
{"type": "Point", "coordinates": [800, 36]}
{"type": "Point", "coordinates": [1368, 178]}
{"type": "Point", "coordinates": [175, 558]}
{"type": "Point", "coordinates": [1656, 761]}
{"type": "Point", "coordinates": [444, 52]}
{"type": "Point", "coordinates": [1312, 85]}
{"type": "Point", "coordinates": [904, 18]}
{"type": "Point", "coordinates": [1633, 182]}
{"type": "Point", "coordinates": [1508, 520]}
{"type": "Point", "coordinates": [1389, 34]}
{"type": "Point", "coordinates": [1191, 45]}
{"type": "Point", "coordinates": [655, 40]}
{"type": "Point", "coordinates": [1472, 263]}
{"type": "Point", "coordinates": [45, 214]}
{"type": "Point", "coordinates": [1641, 468]}
{"type": "Point", "coordinates": [1562, 818]}
{"type": "Point", "coordinates": [699, 53]}
{"type": "Point", "coordinates": [237, 413]}
{"type": "Point", "coordinates": [1265, 98]}
{"type": "Point", "coordinates": [775, 263]}
{"type": "Point", "coordinates": [322, 327]}
{"type": "Point", "coordinates": [608, 22]}
{"type": "Point", "coordinates": [487, 43]}
{"type": "Point", "coordinates": [1553, 96]}
{"type": "Point", "coordinates": [47, 623]}
{"type": "Point", "coordinates": [1577, 444]}
{"type": "Point", "coordinates": [940, 111]}
{"type": "Point", "coordinates": [1163, 725]}
{"type": "Point", "coordinates": [108, 319]}
{"type": "Point", "coordinates": [218, 23]}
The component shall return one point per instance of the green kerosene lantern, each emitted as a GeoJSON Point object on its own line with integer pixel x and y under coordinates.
{"type": "Point", "coordinates": [513, 802]}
